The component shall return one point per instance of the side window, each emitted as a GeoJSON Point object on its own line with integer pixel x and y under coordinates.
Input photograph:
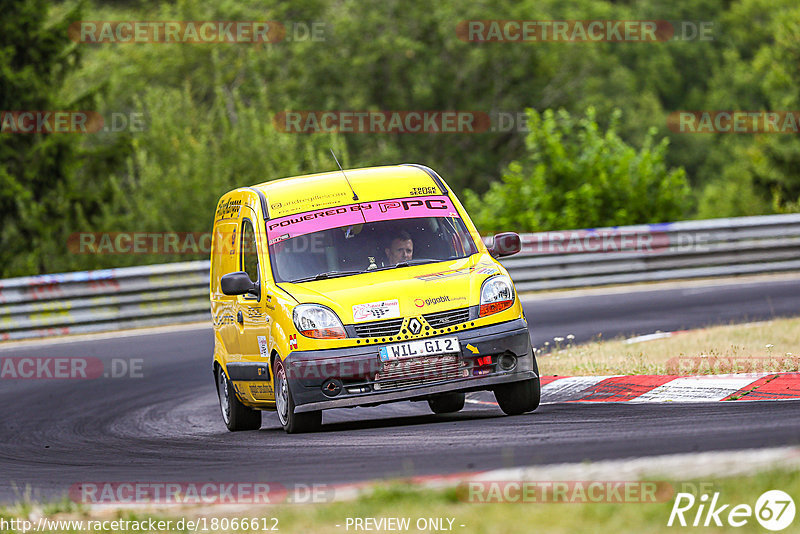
{"type": "Point", "coordinates": [249, 252]}
{"type": "Point", "coordinates": [224, 259]}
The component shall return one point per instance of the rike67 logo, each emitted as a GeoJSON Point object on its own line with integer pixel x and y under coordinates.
{"type": "Point", "coordinates": [774, 510]}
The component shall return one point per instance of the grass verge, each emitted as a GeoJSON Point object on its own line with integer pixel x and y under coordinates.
{"type": "Point", "coordinates": [770, 346]}
{"type": "Point", "coordinates": [408, 501]}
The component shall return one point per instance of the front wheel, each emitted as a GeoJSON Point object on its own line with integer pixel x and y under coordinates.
{"type": "Point", "coordinates": [236, 415]}
{"type": "Point", "coordinates": [293, 423]}
{"type": "Point", "coordinates": [447, 402]}
{"type": "Point", "coordinates": [519, 397]}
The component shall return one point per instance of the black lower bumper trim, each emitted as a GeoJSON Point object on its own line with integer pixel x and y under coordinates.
{"type": "Point", "coordinates": [308, 370]}
{"type": "Point", "coordinates": [419, 392]}
{"type": "Point", "coordinates": [248, 371]}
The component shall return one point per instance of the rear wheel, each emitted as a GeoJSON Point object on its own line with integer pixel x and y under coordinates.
{"type": "Point", "coordinates": [519, 397]}
{"type": "Point", "coordinates": [447, 402]}
{"type": "Point", "coordinates": [236, 415]}
{"type": "Point", "coordinates": [293, 423]}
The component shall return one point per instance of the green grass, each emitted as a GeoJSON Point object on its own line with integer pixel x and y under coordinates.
{"type": "Point", "coordinates": [401, 500]}
{"type": "Point", "coordinates": [769, 346]}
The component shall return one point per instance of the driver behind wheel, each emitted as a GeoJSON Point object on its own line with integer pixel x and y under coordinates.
{"type": "Point", "coordinates": [400, 248]}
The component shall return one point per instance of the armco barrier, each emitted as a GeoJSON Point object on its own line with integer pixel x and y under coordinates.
{"type": "Point", "coordinates": [47, 305]}
{"type": "Point", "coordinates": [629, 254]}
{"type": "Point", "coordinates": [109, 299]}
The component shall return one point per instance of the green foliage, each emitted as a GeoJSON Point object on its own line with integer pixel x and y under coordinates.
{"type": "Point", "coordinates": [575, 175]}
{"type": "Point", "coordinates": [37, 181]}
{"type": "Point", "coordinates": [188, 155]}
{"type": "Point", "coordinates": [732, 194]}
{"type": "Point", "coordinates": [755, 174]}
{"type": "Point", "coordinates": [208, 111]}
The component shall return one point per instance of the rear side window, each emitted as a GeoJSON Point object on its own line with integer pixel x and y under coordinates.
{"type": "Point", "coordinates": [224, 260]}
{"type": "Point", "coordinates": [249, 252]}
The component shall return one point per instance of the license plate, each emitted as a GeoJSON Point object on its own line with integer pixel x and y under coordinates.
{"type": "Point", "coordinates": [419, 348]}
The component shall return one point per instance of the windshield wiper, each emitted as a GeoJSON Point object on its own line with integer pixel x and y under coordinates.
{"type": "Point", "coordinates": [326, 275]}
{"type": "Point", "coordinates": [407, 263]}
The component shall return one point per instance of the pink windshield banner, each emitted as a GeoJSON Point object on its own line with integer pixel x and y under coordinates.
{"type": "Point", "coordinates": [406, 208]}
{"type": "Point", "coordinates": [313, 221]}
{"type": "Point", "coordinates": [381, 210]}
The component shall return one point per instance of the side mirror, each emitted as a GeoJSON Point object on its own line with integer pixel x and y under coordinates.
{"type": "Point", "coordinates": [505, 244]}
{"type": "Point", "coordinates": [238, 283]}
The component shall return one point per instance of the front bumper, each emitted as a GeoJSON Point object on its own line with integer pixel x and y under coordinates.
{"type": "Point", "coordinates": [351, 374]}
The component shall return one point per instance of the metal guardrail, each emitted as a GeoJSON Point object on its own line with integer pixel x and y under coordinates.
{"type": "Point", "coordinates": [109, 299]}
{"type": "Point", "coordinates": [112, 299]}
{"type": "Point", "coordinates": [655, 252]}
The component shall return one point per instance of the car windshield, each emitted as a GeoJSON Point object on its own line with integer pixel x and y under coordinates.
{"type": "Point", "coordinates": [369, 246]}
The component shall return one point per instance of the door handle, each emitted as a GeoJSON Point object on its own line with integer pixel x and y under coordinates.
{"type": "Point", "coordinates": [240, 318]}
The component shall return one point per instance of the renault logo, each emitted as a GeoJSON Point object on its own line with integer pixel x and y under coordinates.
{"type": "Point", "coordinates": [415, 326]}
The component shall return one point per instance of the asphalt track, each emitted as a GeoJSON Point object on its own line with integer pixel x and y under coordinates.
{"type": "Point", "coordinates": [644, 312]}
{"type": "Point", "coordinates": [165, 426]}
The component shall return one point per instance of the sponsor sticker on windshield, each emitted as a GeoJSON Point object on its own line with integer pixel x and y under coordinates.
{"type": "Point", "coordinates": [375, 311]}
{"type": "Point", "coordinates": [365, 212]}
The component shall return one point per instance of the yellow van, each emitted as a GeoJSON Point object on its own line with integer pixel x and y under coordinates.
{"type": "Point", "coordinates": [358, 288]}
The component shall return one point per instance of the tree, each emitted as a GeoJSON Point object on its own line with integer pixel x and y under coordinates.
{"type": "Point", "coordinates": [575, 176]}
{"type": "Point", "coordinates": [755, 174]}
{"type": "Point", "coordinates": [38, 193]}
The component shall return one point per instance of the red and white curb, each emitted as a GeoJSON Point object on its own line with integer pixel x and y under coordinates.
{"type": "Point", "coordinates": [671, 388]}
{"type": "Point", "coordinates": [667, 388]}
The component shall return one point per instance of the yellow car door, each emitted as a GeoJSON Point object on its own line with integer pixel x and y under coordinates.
{"type": "Point", "coordinates": [252, 314]}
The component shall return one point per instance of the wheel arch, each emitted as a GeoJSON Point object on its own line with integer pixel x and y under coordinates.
{"type": "Point", "coordinates": [273, 355]}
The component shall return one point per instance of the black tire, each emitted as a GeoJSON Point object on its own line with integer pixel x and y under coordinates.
{"type": "Point", "coordinates": [236, 415]}
{"type": "Point", "coordinates": [519, 397]}
{"type": "Point", "coordinates": [293, 423]}
{"type": "Point", "coordinates": [447, 402]}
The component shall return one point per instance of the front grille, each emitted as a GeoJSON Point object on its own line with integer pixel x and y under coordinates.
{"type": "Point", "coordinates": [379, 328]}
{"type": "Point", "coordinates": [415, 371]}
{"type": "Point", "coordinates": [447, 318]}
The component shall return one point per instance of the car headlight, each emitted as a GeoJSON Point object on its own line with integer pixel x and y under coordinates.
{"type": "Point", "coordinates": [319, 322]}
{"type": "Point", "coordinates": [497, 294]}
